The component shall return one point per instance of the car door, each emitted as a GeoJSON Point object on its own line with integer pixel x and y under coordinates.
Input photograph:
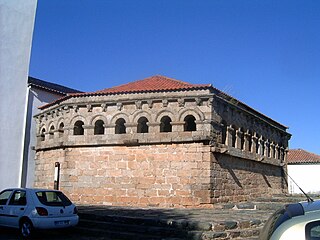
{"type": "Point", "coordinates": [4, 199]}
{"type": "Point", "coordinates": [15, 208]}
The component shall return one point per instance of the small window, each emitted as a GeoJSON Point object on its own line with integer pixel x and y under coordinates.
{"type": "Point", "coordinates": [142, 125]}
{"type": "Point", "coordinates": [190, 123]}
{"type": "Point", "coordinates": [242, 138]}
{"type": "Point", "coordinates": [18, 198]}
{"type": "Point", "coordinates": [78, 128]}
{"type": "Point", "coordinates": [99, 127]}
{"type": "Point", "coordinates": [4, 196]}
{"type": "Point", "coordinates": [52, 198]}
{"type": "Point", "coordinates": [233, 136]}
{"type": "Point", "coordinates": [165, 125]}
{"type": "Point", "coordinates": [42, 134]}
{"type": "Point", "coordinates": [120, 126]}
{"type": "Point", "coordinates": [223, 132]}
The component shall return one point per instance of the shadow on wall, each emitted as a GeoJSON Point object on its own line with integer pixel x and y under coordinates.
{"type": "Point", "coordinates": [246, 177]}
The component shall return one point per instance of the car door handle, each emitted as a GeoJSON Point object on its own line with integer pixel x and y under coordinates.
{"type": "Point", "coordinates": [22, 208]}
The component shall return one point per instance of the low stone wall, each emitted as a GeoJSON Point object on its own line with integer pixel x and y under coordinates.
{"type": "Point", "coordinates": [161, 175]}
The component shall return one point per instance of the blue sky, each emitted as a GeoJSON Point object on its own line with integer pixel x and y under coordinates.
{"type": "Point", "coordinates": [264, 53]}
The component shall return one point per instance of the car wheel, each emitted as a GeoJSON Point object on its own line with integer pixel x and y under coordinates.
{"type": "Point", "coordinates": [26, 228]}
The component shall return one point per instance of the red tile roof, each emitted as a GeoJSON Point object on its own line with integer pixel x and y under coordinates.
{"type": "Point", "coordinates": [152, 84]}
{"type": "Point", "coordinates": [156, 83]}
{"type": "Point", "coordinates": [301, 156]}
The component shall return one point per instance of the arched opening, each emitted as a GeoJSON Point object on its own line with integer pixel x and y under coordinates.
{"type": "Point", "coordinates": [51, 132]}
{"type": "Point", "coordinates": [120, 126]}
{"type": "Point", "coordinates": [234, 136]}
{"type": "Point", "coordinates": [42, 134]}
{"type": "Point", "coordinates": [61, 129]}
{"type": "Point", "coordinates": [78, 128]}
{"type": "Point", "coordinates": [142, 125]}
{"type": "Point", "coordinates": [190, 123]}
{"type": "Point", "coordinates": [98, 127]}
{"type": "Point", "coordinates": [165, 124]}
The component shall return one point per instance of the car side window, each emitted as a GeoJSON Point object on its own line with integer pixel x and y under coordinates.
{"type": "Point", "coordinates": [18, 198]}
{"type": "Point", "coordinates": [4, 196]}
{"type": "Point", "coordinates": [313, 230]}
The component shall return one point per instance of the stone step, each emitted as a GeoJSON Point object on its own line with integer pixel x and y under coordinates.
{"type": "Point", "coordinates": [124, 227]}
{"type": "Point", "coordinates": [134, 228]}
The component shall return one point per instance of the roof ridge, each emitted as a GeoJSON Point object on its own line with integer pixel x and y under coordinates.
{"type": "Point", "coordinates": [152, 83]}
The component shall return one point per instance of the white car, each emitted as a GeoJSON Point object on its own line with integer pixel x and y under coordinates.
{"type": "Point", "coordinates": [28, 209]}
{"type": "Point", "coordinates": [294, 222]}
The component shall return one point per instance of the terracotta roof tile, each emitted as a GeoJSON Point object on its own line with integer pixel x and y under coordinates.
{"type": "Point", "coordinates": [151, 84]}
{"type": "Point", "coordinates": [301, 156]}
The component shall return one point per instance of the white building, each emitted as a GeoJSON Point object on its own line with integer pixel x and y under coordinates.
{"type": "Point", "coordinates": [304, 169]}
{"type": "Point", "coordinates": [20, 95]}
{"type": "Point", "coordinates": [16, 29]}
{"type": "Point", "coordinates": [39, 93]}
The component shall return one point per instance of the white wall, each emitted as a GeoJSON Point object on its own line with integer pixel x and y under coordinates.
{"type": "Point", "coordinates": [37, 98]}
{"type": "Point", "coordinates": [306, 176]}
{"type": "Point", "coordinates": [16, 28]}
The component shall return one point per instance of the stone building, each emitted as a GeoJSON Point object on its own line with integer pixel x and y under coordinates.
{"type": "Point", "coordinates": [159, 142]}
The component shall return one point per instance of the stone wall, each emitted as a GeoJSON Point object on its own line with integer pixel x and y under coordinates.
{"type": "Point", "coordinates": [173, 175]}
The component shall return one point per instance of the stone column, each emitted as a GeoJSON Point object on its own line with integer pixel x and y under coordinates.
{"type": "Point", "coordinates": [88, 130]}
{"type": "Point", "coordinates": [131, 128]}
{"type": "Point", "coordinates": [266, 148]}
{"type": "Point", "coordinates": [272, 150]}
{"type": "Point", "coordinates": [282, 154]}
{"type": "Point", "coordinates": [230, 132]}
{"type": "Point", "coordinates": [110, 128]}
{"type": "Point", "coordinates": [254, 144]}
{"type": "Point", "coordinates": [260, 147]}
{"type": "Point", "coordinates": [247, 138]}
{"type": "Point", "coordinates": [239, 134]}
{"type": "Point", "coordinates": [154, 127]}
{"type": "Point", "coordinates": [276, 152]}
{"type": "Point", "coordinates": [177, 126]}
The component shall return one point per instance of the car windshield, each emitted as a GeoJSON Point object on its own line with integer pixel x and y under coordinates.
{"type": "Point", "coordinates": [53, 198]}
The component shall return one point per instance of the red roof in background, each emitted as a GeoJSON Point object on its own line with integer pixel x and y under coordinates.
{"type": "Point", "coordinates": [302, 156]}
{"type": "Point", "coordinates": [151, 84]}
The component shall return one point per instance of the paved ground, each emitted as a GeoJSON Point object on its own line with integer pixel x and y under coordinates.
{"type": "Point", "coordinates": [12, 234]}
{"type": "Point", "coordinates": [196, 215]}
